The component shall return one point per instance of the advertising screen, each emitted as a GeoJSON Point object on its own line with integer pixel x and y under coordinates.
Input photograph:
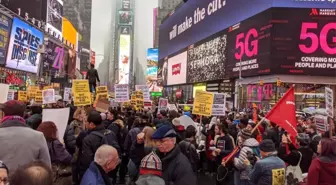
{"type": "Point", "coordinates": [5, 26]}
{"type": "Point", "coordinates": [206, 59]}
{"type": "Point", "coordinates": [304, 41]}
{"type": "Point", "coordinates": [177, 69]}
{"type": "Point", "coordinates": [125, 18]}
{"type": "Point", "coordinates": [152, 70]}
{"type": "Point", "coordinates": [54, 16]}
{"type": "Point", "coordinates": [23, 45]}
{"type": "Point", "coordinates": [53, 60]}
{"type": "Point", "coordinates": [249, 42]}
{"type": "Point", "coordinates": [124, 58]}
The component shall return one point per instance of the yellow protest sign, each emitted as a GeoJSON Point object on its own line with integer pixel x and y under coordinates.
{"type": "Point", "coordinates": [32, 91]}
{"type": "Point", "coordinates": [101, 90]}
{"type": "Point", "coordinates": [48, 87]}
{"type": "Point", "coordinates": [38, 97]}
{"type": "Point", "coordinates": [22, 96]}
{"type": "Point", "coordinates": [81, 90]}
{"type": "Point", "coordinates": [133, 100]}
{"type": "Point", "coordinates": [139, 99]}
{"type": "Point", "coordinates": [101, 93]}
{"type": "Point", "coordinates": [203, 103]}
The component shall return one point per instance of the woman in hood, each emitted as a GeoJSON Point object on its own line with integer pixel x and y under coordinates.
{"type": "Point", "coordinates": [322, 171]}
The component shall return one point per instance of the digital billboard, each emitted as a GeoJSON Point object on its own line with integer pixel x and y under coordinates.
{"type": "Point", "coordinates": [304, 41]}
{"type": "Point", "coordinates": [177, 69]}
{"type": "Point", "coordinates": [152, 70]}
{"type": "Point", "coordinates": [53, 61]}
{"type": "Point", "coordinates": [206, 59]}
{"type": "Point", "coordinates": [124, 58]}
{"type": "Point", "coordinates": [5, 26]}
{"type": "Point", "coordinates": [198, 19]}
{"type": "Point", "coordinates": [23, 45]}
{"type": "Point", "coordinates": [249, 42]}
{"type": "Point", "coordinates": [54, 16]}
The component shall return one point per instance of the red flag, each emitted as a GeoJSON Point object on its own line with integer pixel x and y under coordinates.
{"type": "Point", "coordinates": [283, 113]}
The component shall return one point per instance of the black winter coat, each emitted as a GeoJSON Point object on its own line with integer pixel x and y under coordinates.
{"type": "Point", "coordinates": [138, 152]}
{"type": "Point", "coordinates": [177, 168]}
{"type": "Point", "coordinates": [131, 137]}
{"type": "Point", "coordinates": [120, 132]}
{"type": "Point", "coordinates": [92, 75]}
{"type": "Point", "coordinates": [70, 140]}
{"type": "Point", "coordinates": [90, 145]}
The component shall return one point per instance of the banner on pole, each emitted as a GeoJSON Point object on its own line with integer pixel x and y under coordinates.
{"type": "Point", "coordinates": [203, 103]}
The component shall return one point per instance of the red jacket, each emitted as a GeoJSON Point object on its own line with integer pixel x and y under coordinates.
{"type": "Point", "coordinates": [322, 171]}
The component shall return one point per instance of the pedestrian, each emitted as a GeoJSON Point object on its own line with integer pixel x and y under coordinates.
{"type": "Point", "coordinates": [4, 174]}
{"type": "Point", "coordinates": [19, 143]}
{"type": "Point", "coordinates": [34, 173]}
{"type": "Point", "coordinates": [106, 159]}
{"type": "Point", "coordinates": [175, 166]}
{"type": "Point", "coordinates": [322, 171]}
{"type": "Point", "coordinates": [270, 169]}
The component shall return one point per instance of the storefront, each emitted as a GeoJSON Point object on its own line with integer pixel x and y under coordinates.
{"type": "Point", "coordinates": [179, 93]}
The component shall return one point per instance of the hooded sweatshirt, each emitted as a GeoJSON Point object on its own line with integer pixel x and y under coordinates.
{"type": "Point", "coordinates": [322, 171]}
{"type": "Point", "coordinates": [249, 145]}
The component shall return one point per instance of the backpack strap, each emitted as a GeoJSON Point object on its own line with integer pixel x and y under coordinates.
{"type": "Point", "coordinates": [299, 159]}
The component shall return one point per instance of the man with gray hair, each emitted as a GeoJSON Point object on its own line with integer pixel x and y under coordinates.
{"type": "Point", "coordinates": [105, 160]}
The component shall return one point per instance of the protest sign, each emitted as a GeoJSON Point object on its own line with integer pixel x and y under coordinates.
{"type": "Point", "coordinates": [121, 92]}
{"type": "Point", "coordinates": [203, 103]}
{"type": "Point", "coordinates": [67, 94]}
{"type": "Point", "coordinates": [32, 91]}
{"type": "Point", "coordinates": [139, 99]}
{"type": "Point", "coordinates": [59, 117]}
{"type": "Point", "coordinates": [145, 90]}
{"type": "Point", "coordinates": [321, 123]}
{"type": "Point", "coordinates": [218, 107]}
{"type": "Point", "coordinates": [10, 95]}
{"type": "Point", "coordinates": [102, 105]}
{"type": "Point", "coordinates": [4, 92]}
{"type": "Point", "coordinates": [48, 96]}
{"type": "Point", "coordinates": [329, 101]}
{"type": "Point", "coordinates": [38, 97]}
{"type": "Point", "coordinates": [81, 91]}
{"type": "Point", "coordinates": [163, 104]}
{"type": "Point", "coordinates": [22, 96]}
{"type": "Point", "coordinates": [148, 105]}
{"type": "Point", "coordinates": [48, 87]}
{"type": "Point", "coordinates": [172, 107]}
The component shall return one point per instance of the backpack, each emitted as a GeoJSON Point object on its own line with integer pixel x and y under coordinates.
{"type": "Point", "coordinates": [186, 150]}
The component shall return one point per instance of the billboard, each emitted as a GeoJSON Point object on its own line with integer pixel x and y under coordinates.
{"type": "Point", "coordinates": [33, 8]}
{"type": "Point", "coordinates": [125, 17]}
{"type": "Point", "coordinates": [198, 19]}
{"type": "Point", "coordinates": [124, 58]}
{"type": "Point", "coordinates": [69, 32]}
{"type": "Point", "coordinates": [54, 16]}
{"type": "Point", "coordinates": [206, 59]}
{"type": "Point", "coordinates": [84, 56]}
{"type": "Point", "coordinates": [53, 61]}
{"type": "Point", "coordinates": [23, 45]}
{"type": "Point", "coordinates": [152, 70]}
{"type": "Point", "coordinates": [304, 41]}
{"type": "Point", "coordinates": [5, 26]}
{"type": "Point", "coordinates": [249, 42]}
{"type": "Point", "coordinates": [177, 69]}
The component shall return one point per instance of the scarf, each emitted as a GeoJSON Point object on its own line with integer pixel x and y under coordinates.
{"type": "Point", "coordinates": [13, 118]}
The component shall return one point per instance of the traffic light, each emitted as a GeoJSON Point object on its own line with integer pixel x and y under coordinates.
{"type": "Point", "coordinates": [261, 82]}
{"type": "Point", "coordinates": [278, 82]}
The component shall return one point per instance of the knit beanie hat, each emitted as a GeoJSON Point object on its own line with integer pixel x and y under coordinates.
{"type": "Point", "coordinates": [245, 134]}
{"type": "Point", "coordinates": [151, 165]}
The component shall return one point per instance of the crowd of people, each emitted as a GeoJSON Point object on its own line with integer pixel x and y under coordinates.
{"type": "Point", "coordinates": [153, 147]}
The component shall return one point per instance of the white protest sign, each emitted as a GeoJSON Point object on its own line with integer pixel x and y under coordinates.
{"type": "Point", "coordinates": [4, 92]}
{"type": "Point", "coordinates": [172, 107]}
{"type": "Point", "coordinates": [321, 123]}
{"type": "Point", "coordinates": [48, 96]}
{"type": "Point", "coordinates": [67, 93]}
{"type": "Point", "coordinates": [218, 107]}
{"type": "Point", "coordinates": [329, 101]}
{"type": "Point", "coordinates": [121, 92]}
{"type": "Point", "coordinates": [163, 104]}
{"type": "Point", "coordinates": [59, 117]}
{"type": "Point", "coordinates": [10, 95]}
{"type": "Point", "coordinates": [145, 90]}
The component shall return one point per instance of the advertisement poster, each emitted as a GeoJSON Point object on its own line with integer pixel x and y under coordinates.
{"type": "Point", "coordinates": [84, 56]}
{"type": "Point", "coordinates": [250, 42]}
{"type": "Point", "coordinates": [121, 93]}
{"type": "Point", "coordinates": [126, 4]}
{"type": "Point", "coordinates": [304, 42]}
{"type": "Point", "coordinates": [67, 94]}
{"type": "Point", "coordinates": [71, 63]}
{"type": "Point", "coordinates": [145, 90]}
{"type": "Point", "coordinates": [152, 70]}
{"type": "Point", "coordinates": [125, 18]}
{"type": "Point", "coordinates": [53, 60]}
{"type": "Point", "coordinates": [54, 17]}
{"type": "Point", "coordinates": [124, 58]}
{"type": "Point", "coordinates": [59, 117]}
{"type": "Point", "coordinates": [218, 107]}
{"type": "Point", "coordinates": [5, 26]}
{"type": "Point", "coordinates": [177, 69]}
{"type": "Point", "coordinates": [203, 103]}
{"type": "Point", "coordinates": [329, 101]}
{"type": "Point", "coordinates": [48, 96]}
{"type": "Point", "coordinates": [23, 45]}
{"type": "Point", "coordinates": [206, 59]}
{"type": "Point", "coordinates": [81, 91]}
{"type": "Point", "coordinates": [163, 104]}
{"type": "Point", "coordinates": [162, 72]}
{"type": "Point", "coordinates": [22, 96]}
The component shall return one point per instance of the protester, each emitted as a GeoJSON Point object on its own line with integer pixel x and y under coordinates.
{"type": "Point", "coordinates": [322, 170]}
{"type": "Point", "coordinates": [188, 147]}
{"type": "Point", "coordinates": [179, 129]}
{"type": "Point", "coordinates": [105, 160]}
{"type": "Point", "coordinates": [314, 136]}
{"type": "Point", "coordinates": [36, 118]}
{"type": "Point", "coordinates": [175, 166]}
{"type": "Point", "coordinates": [150, 171]}
{"type": "Point", "coordinates": [60, 158]}
{"type": "Point", "coordinates": [34, 173]}
{"type": "Point", "coordinates": [92, 76]}
{"type": "Point", "coordinates": [4, 174]}
{"type": "Point", "coordinates": [20, 144]}
{"type": "Point", "coordinates": [268, 170]}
